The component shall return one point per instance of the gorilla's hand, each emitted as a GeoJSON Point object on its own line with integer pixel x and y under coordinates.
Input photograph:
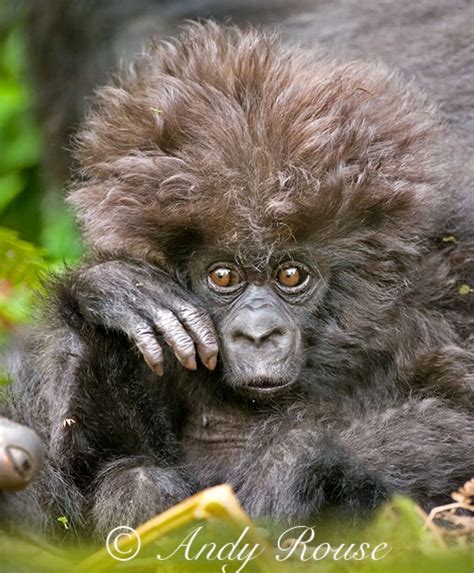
{"type": "Point", "coordinates": [145, 303]}
{"type": "Point", "coordinates": [302, 473]}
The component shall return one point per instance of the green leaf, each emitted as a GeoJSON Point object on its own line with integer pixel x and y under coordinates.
{"type": "Point", "coordinates": [64, 520]}
{"type": "Point", "coordinates": [10, 187]}
{"type": "Point", "coordinates": [20, 262]}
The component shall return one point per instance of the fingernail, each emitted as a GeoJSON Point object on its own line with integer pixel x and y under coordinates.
{"type": "Point", "coordinates": [211, 362]}
{"type": "Point", "coordinates": [190, 363]}
{"type": "Point", "coordinates": [159, 369]}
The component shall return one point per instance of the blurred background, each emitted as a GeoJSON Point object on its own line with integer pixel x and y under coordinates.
{"type": "Point", "coordinates": [37, 233]}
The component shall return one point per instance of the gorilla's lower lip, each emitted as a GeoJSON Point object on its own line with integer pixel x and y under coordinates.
{"type": "Point", "coordinates": [266, 385]}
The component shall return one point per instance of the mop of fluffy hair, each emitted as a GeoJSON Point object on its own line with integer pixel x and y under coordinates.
{"type": "Point", "coordinates": [230, 127]}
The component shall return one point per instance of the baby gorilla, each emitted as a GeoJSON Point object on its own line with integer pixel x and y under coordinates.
{"type": "Point", "coordinates": [275, 220]}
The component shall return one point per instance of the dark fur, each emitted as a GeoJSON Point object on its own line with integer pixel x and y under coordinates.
{"type": "Point", "coordinates": [227, 142]}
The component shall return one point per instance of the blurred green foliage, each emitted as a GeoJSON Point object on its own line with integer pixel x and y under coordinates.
{"type": "Point", "coordinates": [411, 547]}
{"type": "Point", "coordinates": [37, 232]}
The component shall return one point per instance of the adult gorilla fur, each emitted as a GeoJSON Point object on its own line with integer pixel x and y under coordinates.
{"type": "Point", "coordinates": [224, 141]}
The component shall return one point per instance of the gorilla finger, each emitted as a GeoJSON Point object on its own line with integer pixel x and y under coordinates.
{"type": "Point", "coordinates": [201, 328]}
{"type": "Point", "coordinates": [176, 336]}
{"type": "Point", "coordinates": [145, 339]}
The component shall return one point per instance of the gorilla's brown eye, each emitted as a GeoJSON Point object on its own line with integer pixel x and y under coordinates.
{"type": "Point", "coordinates": [292, 277]}
{"type": "Point", "coordinates": [224, 277]}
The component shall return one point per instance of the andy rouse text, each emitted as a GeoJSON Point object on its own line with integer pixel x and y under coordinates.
{"type": "Point", "coordinates": [298, 543]}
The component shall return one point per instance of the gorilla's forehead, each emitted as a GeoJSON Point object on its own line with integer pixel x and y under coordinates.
{"type": "Point", "coordinates": [256, 259]}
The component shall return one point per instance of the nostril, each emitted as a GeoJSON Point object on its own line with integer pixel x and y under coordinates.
{"type": "Point", "coordinates": [271, 334]}
{"type": "Point", "coordinates": [259, 337]}
{"type": "Point", "coordinates": [240, 335]}
{"type": "Point", "coordinates": [277, 331]}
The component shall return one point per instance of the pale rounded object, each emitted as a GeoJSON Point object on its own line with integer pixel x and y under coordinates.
{"type": "Point", "coordinates": [21, 455]}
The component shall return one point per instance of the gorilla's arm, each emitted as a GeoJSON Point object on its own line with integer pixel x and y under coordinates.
{"type": "Point", "coordinates": [296, 473]}
{"type": "Point", "coordinates": [143, 302]}
{"type": "Point", "coordinates": [422, 448]}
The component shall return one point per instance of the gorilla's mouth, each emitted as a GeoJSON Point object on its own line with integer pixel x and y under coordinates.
{"type": "Point", "coordinates": [256, 375]}
{"type": "Point", "coordinates": [264, 385]}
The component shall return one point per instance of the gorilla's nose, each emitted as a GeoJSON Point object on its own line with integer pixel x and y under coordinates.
{"type": "Point", "coordinates": [263, 330]}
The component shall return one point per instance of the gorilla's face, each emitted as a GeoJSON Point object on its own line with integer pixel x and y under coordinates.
{"type": "Point", "coordinates": [260, 317]}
